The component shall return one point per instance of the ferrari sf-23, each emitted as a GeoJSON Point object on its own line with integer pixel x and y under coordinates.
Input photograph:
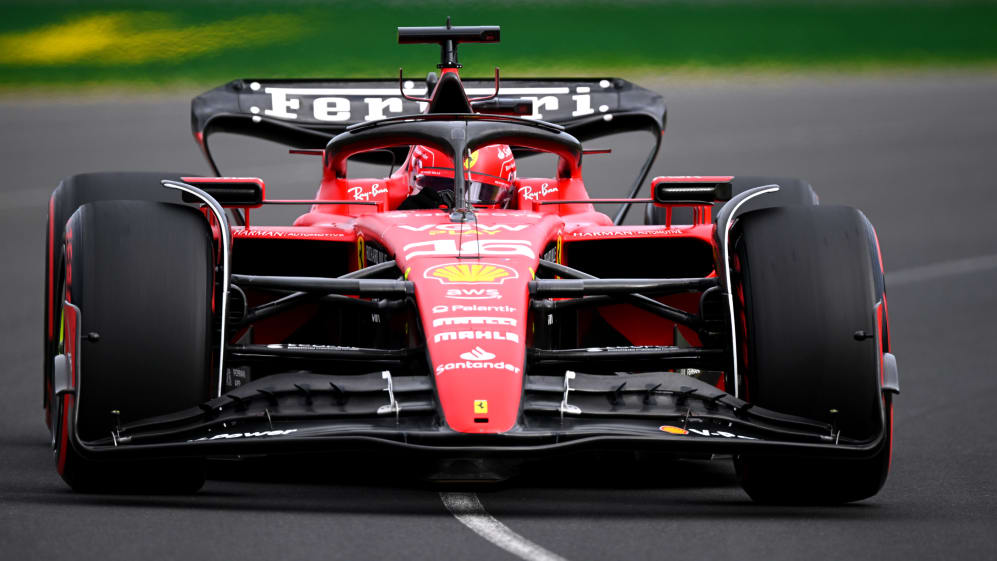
{"type": "Point", "coordinates": [456, 310]}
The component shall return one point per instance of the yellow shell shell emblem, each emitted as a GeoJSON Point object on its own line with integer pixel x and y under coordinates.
{"type": "Point", "coordinates": [469, 162]}
{"type": "Point", "coordinates": [471, 273]}
{"type": "Point", "coordinates": [672, 430]}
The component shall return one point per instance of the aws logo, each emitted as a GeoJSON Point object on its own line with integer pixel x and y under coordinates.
{"type": "Point", "coordinates": [464, 273]}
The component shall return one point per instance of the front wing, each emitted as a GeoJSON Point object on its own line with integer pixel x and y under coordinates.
{"type": "Point", "coordinates": [299, 412]}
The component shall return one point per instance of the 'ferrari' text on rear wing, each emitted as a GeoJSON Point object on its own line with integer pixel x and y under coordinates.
{"type": "Point", "coordinates": [306, 113]}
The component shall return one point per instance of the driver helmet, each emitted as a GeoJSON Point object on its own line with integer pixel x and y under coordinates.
{"type": "Point", "coordinates": [491, 171]}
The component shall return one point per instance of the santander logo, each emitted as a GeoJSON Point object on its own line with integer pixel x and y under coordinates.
{"type": "Point", "coordinates": [477, 354]}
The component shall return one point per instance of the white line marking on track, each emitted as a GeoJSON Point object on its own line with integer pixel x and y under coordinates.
{"type": "Point", "coordinates": [941, 270]}
{"type": "Point", "coordinates": [469, 511]}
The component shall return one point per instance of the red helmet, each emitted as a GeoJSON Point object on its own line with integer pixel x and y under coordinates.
{"type": "Point", "coordinates": [491, 171]}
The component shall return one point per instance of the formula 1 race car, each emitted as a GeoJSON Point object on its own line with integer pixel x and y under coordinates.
{"type": "Point", "coordinates": [455, 310]}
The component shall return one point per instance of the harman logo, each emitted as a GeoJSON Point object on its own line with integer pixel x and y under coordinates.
{"type": "Point", "coordinates": [477, 354]}
{"type": "Point", "coordinates": [463, 273]}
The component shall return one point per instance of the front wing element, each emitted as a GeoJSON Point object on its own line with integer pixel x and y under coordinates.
{"type": "Point", "coordinates": [301, 412]}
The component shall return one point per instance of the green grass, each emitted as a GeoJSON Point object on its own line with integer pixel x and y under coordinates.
{"type": "Point", "coordinates": [357, 38]}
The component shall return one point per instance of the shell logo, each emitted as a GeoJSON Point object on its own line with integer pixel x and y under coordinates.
{"type": "Point", "coordinates": [463, 273]}
{"type": "Point", "coordinates": [672, 430]}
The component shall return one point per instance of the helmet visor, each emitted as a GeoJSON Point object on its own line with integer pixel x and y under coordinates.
{"type": "Point", "coordinates": [482, 193]}
{"type": "Point", "coordinates": [478, 192]}
{"type": "Point", "coordinates": [434, 183]}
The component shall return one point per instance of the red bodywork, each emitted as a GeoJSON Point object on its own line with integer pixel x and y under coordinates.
{"type": "Point", "coordinates": [471, 278]}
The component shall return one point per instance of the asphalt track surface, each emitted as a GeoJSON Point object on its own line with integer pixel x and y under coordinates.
{"type": "Point", "coordinates": [917, 154]}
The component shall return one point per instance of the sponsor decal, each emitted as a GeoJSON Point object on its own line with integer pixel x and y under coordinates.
{"type": "Point", "coordinates": [442, 309]}
{"type": "Point", "coordinates": [476, 365]}
{"type": "Point", "coordinates": [621, 349]}
{"type": "Point", "coordinates": [375, 254]}
{"type": "Point", "coordinates": [371, 104]}
{"type": "Point", "coordinates": [480, 406]}
{"type": "Point", "coordinates": [480, 320]}
{"type": "Point", "coordinates": [243, 233]}
{"type": "Point", "coordinates": [474, 294]}
{"type": "Point", "coordinates": [307, 346]}
{"type": "Point", "coordinates": [465, 229]}
{"type": "Point", "coordinates": [672, 430]}
{"type": "Point", "coordinates": [441, 214]}
{"type": "Point", "coordinates": [361, 193]}
{"type": "Point", "coordinates": [720, 433]}
{"type": "Point", "coordinates": [476, 336]}
{"type": "Point", "coordinates": [624, 233]}
{"type": "Point", "coordinates": [473, 273]}
{"type": "Point", "coordinates": [470, 162]}
{"type": "Point", "coordinates": [530, 194]}
{"type": "Point", "coordinates": [477, 354]}
{"type": "Point", "coordinates": [225, 436]}
{"type": "Point", "coordinates": [448, 248]}
{"type": "Point", "coordinates": [703, 432]}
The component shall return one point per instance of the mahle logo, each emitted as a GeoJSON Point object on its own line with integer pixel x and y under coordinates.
{"type": "Point", "coordinates": [463, 273]}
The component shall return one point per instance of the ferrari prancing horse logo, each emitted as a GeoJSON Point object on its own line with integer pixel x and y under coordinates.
{"type": "Point", "coordinates": [480, 406]}
{"type": "Point", "coordinates": [470, 162]}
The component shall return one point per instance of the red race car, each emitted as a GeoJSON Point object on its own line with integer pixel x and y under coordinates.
{"type": "Point", "coordinates": [455, 309]}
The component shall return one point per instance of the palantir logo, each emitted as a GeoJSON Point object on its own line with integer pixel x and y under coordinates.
{"type": "Point", "coordinates": [477, 354]}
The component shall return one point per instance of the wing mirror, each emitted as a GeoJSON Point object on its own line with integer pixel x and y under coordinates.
{"type": "Point", "coordinates": [242, 192]}
{"type": "Point", "coordinates": [670, 190]}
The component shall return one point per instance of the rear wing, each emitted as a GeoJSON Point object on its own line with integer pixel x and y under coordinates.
{"type": "Point", "coordinates": [306, 114]}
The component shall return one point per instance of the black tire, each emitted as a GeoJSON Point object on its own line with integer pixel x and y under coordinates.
{"type": "Point", "coordinates": [141, 275]}
{"type": "Point", "coordinates": [808, 285]}
{"type": "Point", "coordinates": [72, 192]}
{"type": "Point", "coordinates": [801, 190]}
